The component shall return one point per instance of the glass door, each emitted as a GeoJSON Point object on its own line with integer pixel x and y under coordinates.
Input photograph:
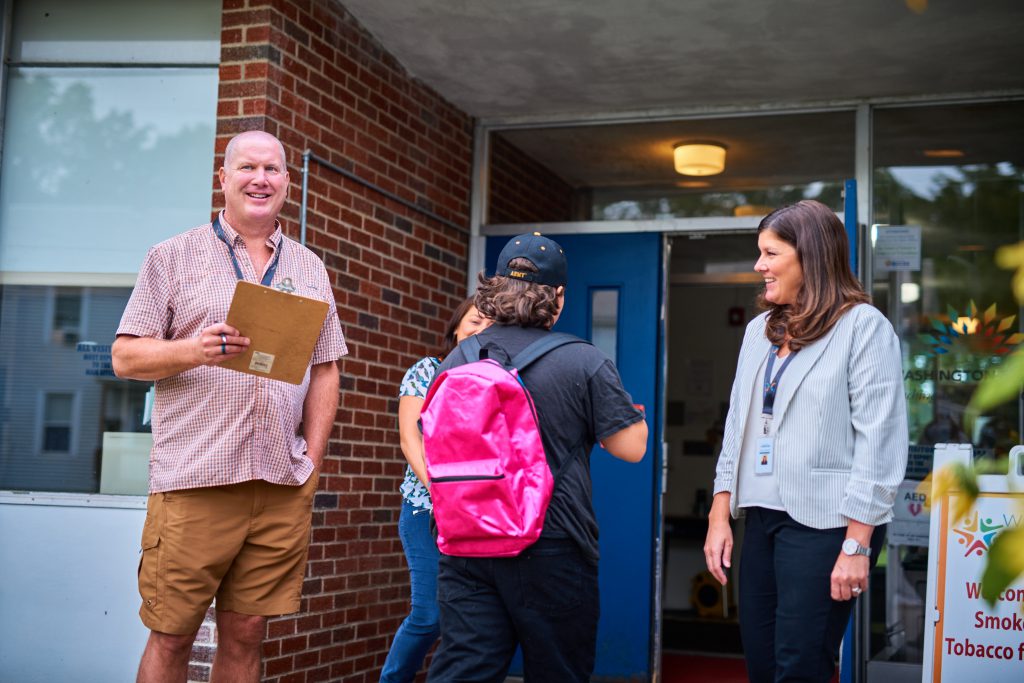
{"type": "Point", "coordinates": [947, 195]}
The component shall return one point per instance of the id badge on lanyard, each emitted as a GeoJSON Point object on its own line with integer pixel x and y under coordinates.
{"type": "Point", "coordinates": [764, 463]}
{"type": "Point", "coordinates": [765, 455]}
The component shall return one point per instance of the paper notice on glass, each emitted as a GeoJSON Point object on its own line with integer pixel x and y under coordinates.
{"type": "Point", "coordinates": [282, 328]}
{"type": "Point", "coordinates": [911, 522]}
{"type": "Point", "coordinates": [897, 248]}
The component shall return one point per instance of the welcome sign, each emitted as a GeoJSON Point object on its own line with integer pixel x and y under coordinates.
{"type": "Point", "coordinates": [969, 640]}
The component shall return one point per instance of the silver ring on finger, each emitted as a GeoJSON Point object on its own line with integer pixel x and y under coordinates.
{"type": "Point", "coordinates": [856, 590]}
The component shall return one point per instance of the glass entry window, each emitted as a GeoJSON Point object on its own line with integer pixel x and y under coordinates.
{"type": "Point", "coordinates": [947, 195]}
{"type": "Point", "coordinates": [627, 171]}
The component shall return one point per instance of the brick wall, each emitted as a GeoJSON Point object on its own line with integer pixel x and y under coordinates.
{"type": "Point", "coordinates": [307, 72]}
{"type": "Point", "coordinates": [522, 190]}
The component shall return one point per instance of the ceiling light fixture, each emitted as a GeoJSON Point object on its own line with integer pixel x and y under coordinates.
{"type": "Point", "coordinates": [699, 158]}
{"type": "Point", "coordinates": [944, 153]}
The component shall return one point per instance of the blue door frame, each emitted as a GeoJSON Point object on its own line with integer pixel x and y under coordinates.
{"type": "Point", "coordinates": [624, 493]}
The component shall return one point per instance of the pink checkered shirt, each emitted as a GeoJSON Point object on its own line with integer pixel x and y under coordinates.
{"type": "Point", "coordinates": [214, 426]}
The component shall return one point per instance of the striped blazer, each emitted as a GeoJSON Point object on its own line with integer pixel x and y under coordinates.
{"type": "Point", "coordinates": [840, 422]}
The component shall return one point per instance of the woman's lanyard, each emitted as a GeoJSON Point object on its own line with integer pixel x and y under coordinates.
{"type": "Point", "coordinates": [771, 386]}
{"type": "Point", "coordinates": [268, 276]}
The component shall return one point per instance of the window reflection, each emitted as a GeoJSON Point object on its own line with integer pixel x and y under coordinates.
{"type": "Point", "coordinates": [60, 399]}
{"type": "Point", "coordinates": [99, 164]}
{"type": "Point", "coordinates": [615, 205]}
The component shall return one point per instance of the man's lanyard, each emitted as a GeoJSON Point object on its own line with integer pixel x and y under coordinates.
{"type": "Point", "coordinates": [771, 386]}
{"type": "Point", "coordinates": [268, 276]}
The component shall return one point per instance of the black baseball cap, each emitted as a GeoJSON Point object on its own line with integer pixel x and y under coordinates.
{"type": "Point", "coordinates": [542, 252]}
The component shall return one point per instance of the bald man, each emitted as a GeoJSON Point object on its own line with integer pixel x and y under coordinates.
{"type": "Point", "coordinates": [235, 457]}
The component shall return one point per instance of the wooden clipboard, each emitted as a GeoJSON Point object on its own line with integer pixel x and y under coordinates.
{"type": "Point", "coordinates": [282, 328]}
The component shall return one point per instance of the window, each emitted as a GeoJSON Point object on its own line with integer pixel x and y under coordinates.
{"type": "Point", "coordinates": [604, 321]}
{"type": "Point", "coordinates": [57, 417]}
{"type": "Point", "coordinates": [108, 144]}
{"type": "Point", "coordinates": [947, 195]}
{"type": "Point", "coordinates": [67, 316]}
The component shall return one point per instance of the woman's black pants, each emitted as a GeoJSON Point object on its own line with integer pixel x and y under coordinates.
{"type": "Point", "coordinates": [790, 625]}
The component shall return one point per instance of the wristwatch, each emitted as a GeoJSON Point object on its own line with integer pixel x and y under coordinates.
{"type": "Point", "coordinates": [852, 547]}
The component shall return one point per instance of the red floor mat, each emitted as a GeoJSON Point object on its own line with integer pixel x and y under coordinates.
{"type": "Point", "coordinates": [679, 668]}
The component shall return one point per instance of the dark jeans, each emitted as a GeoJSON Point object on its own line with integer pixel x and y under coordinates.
{"type": "Point", "coordinates": [790, 626]}
{"type": "Point", "coordinates": [545, 600]}
{"type": "Point", "coordinates": [420, 629]}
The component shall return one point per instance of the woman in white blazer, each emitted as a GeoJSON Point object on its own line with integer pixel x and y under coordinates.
{"type": "Point", "coordinates": [815, 445]}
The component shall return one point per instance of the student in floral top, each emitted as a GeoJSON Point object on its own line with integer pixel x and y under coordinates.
{"type": "Point", "coordinates": [420, 629]}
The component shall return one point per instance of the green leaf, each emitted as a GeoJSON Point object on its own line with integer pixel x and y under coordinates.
{"type": "Point", "coordinates": [1005, 563]}
{"type": "Point", "coordinates": [999, 387]}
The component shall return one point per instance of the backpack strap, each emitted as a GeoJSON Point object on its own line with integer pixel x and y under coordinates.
{"type": "Point", "coordinates": [470, 347]}
{"type": "Point", "coordinates": [532, 353]}
{"type": "Point", "coordinates": [542, 346]}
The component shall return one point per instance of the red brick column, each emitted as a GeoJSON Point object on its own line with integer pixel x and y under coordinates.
{"type": "Point", "coordinates": [307, 72]}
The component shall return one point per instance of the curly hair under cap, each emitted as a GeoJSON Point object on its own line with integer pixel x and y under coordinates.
{"type": "Point", "coordinates": [507, 301]}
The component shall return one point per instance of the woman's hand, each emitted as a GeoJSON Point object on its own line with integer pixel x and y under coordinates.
{"type": "Point", "coordinates": [849, 576]}
{"type": "Point", "coordinates": [718, 545]}
{"type": "Point", "coordinates": [850, 573]}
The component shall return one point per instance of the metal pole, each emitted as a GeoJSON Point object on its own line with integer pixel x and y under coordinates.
{"type": "Point", "coordinates": [305, 194]}
{"type": "Point", "coordinates": [863, 161]}
{"type": "Point", "coordinates": [478, 205]}
{"type": "Point", "coordinates": [385, 193]}
{"type": "Point", "coordinates": [7, 9]}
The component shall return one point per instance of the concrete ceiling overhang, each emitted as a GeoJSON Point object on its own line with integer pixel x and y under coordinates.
{"type": "Point", "coordinates": [557, 59]}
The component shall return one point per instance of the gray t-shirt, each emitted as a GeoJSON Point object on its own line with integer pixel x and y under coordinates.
{"type": "Point", "coordinates": [580, 401]}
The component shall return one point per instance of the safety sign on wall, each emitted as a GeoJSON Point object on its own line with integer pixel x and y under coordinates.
{"type": "Point", "coordinates": [968, 640]}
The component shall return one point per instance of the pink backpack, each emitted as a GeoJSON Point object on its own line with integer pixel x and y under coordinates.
{"type": "Point", "coordinates": [490, 482]}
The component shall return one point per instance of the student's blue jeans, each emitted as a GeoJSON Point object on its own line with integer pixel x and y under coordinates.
{"type": "Point", "coordinates": [421, 628]}
{"type": "Point", "coordinates": [790, 626]}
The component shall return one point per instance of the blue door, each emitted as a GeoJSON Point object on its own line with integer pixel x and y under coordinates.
{"type": "Point", "coordinates": [613, 299]}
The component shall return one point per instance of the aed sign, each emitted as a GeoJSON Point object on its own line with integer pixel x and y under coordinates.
{"type": "Point", "coordinates": [911, 522]}
{"type": "Point", "coordinates": [973, 641]}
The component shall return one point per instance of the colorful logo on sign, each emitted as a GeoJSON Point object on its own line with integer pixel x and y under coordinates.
{"type": "Point", "coordinates": [976, 535]}
{"type": "Point", "coordinates": [985, 335]}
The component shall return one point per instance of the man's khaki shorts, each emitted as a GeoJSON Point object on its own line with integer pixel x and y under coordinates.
{"type": "Point", "coordinates": [245, 544]}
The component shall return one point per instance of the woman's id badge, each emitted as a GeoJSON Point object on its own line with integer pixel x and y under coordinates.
{"type": "Point", "coordinates": [765, 455]}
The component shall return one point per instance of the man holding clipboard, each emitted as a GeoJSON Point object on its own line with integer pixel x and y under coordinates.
{"type": "Point", "coordinates": [235, 454]}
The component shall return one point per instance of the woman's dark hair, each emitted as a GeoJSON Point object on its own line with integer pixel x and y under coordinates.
{"type": "Point", "coordinates": [507, 301]}
{"type": "Point", "coordinates": [448, 341]}
{"type": "Point", "coordinates": [829, 286]}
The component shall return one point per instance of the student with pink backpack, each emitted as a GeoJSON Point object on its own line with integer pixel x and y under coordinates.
{"type": "Point", "coordinates": [509, 424]}
{"type": "Point", "coordinates": [420, 629]}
